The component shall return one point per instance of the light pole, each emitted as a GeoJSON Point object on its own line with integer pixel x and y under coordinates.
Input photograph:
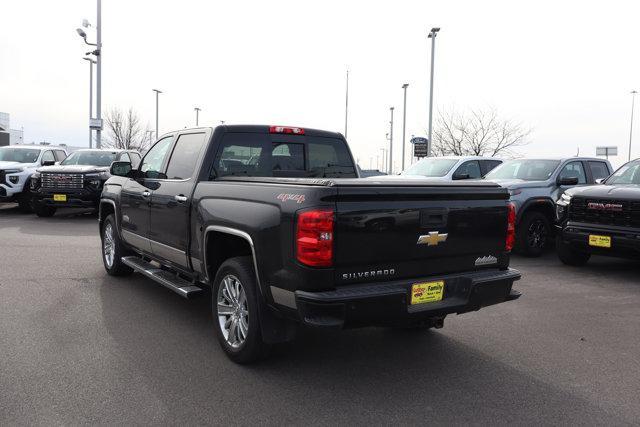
{"type": "Point", "coordinates": [633, 96]}
{"type": "Point", "coordinates": [390, 160]}
{"type": "Point", "coordinates": [384, 159]}
{"type": "Point", "coordinates": [346, 107]}
{"type": "Point", "coordinates": [158, 92]}
{"type": "Point", "coordinates": [91, 62]}
{"type": "Point", "coordinates": [98, 54]}
{"type": "Point", "coordinates": [404, 121]}
{"type": "Point", "coordinates": [197, 110]}
{"type": "Point", "coordinates": [432, 36]}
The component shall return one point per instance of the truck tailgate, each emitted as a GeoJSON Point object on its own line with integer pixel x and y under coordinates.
{"type": "Point", "coordinates": [393, 231]}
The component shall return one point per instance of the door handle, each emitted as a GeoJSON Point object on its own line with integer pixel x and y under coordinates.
{"type": "Point", "coordinates": [146, 194]}
{"type": "Point", "coordinates": [180, 198]}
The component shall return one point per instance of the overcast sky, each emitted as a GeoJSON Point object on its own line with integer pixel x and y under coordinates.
{"type": "Point", "coordinates": [563, 68]}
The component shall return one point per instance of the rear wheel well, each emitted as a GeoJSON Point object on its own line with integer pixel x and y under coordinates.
{"type": "Point", "coordinates": [222, 246]}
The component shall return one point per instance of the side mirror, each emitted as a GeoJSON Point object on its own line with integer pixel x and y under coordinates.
{"type": "Point", "coordinates": [600, 180]}
{"type": "Point", "coordinates": [48, 162]}
{"type": "Point", "coordinates": [568, 180]}
{"type": "Point", "coordinates": [458, 176]}
{"type": "Point", "coordinates": [120, 169]}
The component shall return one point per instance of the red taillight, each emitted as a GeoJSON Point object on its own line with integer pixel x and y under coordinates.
{"type": "Point", "coordinates": [286, 129]}
{"type": "Point", "coordinates": [314, 237]}
{"type": "Point", "coordinates": [511, 226]}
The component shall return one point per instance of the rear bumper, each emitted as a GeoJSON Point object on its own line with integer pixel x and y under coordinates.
{"type": "Point", "coordinates": [388, 303]}
{"type": "Point", "coordinates": [625, 242]}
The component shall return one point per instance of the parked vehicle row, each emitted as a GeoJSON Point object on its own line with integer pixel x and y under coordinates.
{"type": "Point", "coordinates": [278, 224]}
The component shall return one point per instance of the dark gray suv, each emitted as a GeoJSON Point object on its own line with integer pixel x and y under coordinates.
{"type": "Point", "coordinates": [535, 185]}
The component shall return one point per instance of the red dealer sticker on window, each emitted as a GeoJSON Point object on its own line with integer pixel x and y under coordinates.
{"type": "Point", "coordinates": [298, 198]}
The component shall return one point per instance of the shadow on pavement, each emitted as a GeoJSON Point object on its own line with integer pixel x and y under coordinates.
{"type": "Point", "coordinates": [372, 375]}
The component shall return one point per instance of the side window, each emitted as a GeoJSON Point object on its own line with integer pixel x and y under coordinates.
{"type": "Point", "coordinates": [599, 170]}
{"type": "Point", "coordinates": [185, 155]}
{"type": "Point", "coordinates": [574, 170]}
{"type": "Point", "coordinates": [60, 155]}
{"type": "Point", "coordinates": [243, 154]}
{"type": "Point", "coordinates": [153, 161]}
{"type": "Point", "coordinates": [471, 168]}
{"type": "Point", "coordinates": [287, 157]}
{"type": "Point", "coordinates": [135, 160]}
{"type": "Point", "coordinates": [48, 157]}
{"type": "Point", "coordinates": [488, 165]}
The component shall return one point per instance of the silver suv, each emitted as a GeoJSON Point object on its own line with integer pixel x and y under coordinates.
{"type": "Point", "coordinates": [535, 185]}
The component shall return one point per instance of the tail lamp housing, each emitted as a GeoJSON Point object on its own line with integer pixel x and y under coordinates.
{"type": "Point", "coordinates": [314, 237]}
{"type": "Point", "coordinates": [511, 226]}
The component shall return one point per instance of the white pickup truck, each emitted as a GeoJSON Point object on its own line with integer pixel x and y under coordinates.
{"type": "Point", "coordinates": [17, 164]}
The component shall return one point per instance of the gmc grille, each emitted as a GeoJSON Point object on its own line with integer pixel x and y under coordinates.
{"type": "Point", "coordinates": [62, 181]}
{"type": "Point", "coordinates": [627, 216]}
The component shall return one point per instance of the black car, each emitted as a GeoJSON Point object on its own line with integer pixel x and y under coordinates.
{"type": "Point", "coordinates": [76, 182]}
{"type": "Point", "coordinates": [602, 219]}
{"type": "Point", "coordinates": [276, 221]}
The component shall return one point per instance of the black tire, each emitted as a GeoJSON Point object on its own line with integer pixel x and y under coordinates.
{"type": "Point", "coordinates": [24, 204]}
{"type": "Point", "coordinates": [110, 242]}
{"type": "Point", "coordinates": [45, 211]}
{"type": "Point", "coordinates": [245, 343]}
{"type": "Point", "coordinates": [570, 256]}
{"type": "Point", "coordinates": [532, 234]}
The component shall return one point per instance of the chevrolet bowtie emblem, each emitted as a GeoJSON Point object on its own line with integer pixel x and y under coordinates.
{"type": "Point", "coordinates": [432, 239]}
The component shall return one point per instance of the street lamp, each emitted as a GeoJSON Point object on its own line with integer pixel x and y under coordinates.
{"type": "Point", "coordinates": [98, 54]}
{"type": "Point", "coordinates": [346, 107]}
{"type": "Point", "coordinates": [633, 96]}
{"type": "Point", "coordinates": [432, 35]}
{"type": "Point", "coordinates": [404, 121]}
{"type": "Point", "coordinates": [91, 62]}
{"type": "Point", "coordinates": [158, 92]}
{"type": "Point", "coordinates": [197, 110]}
{"type": "Point", "coordinates": [390, 163]}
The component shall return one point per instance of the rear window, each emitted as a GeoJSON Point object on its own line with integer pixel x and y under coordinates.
{"type": "Point", "coordinates": [266, 155]}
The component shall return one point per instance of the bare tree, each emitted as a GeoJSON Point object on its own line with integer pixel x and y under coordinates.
{"type": "Point", "coordinates": [477, 133]}
{"type": "Point", "coordinates": [125, 131]}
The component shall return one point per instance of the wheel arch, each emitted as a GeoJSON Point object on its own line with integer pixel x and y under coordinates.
{"type": "Point", "coordinates": [230, 242]}
{"type": "Point", "coordinates": [544, 205]}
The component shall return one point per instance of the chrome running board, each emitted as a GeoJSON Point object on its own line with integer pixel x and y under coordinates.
{"type": "Point", "coordinates": [167, 279]}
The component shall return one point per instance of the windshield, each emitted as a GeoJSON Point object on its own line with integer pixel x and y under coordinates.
{"type": "Point", "coordinates": [20, 155]}
{"type": "Point", "coordinates": [90, 158]}
{"type": "Point", "coordinates": [527, 170]}
{"type": "Point", "coordinates": [627, 174]}
{"type": "Point", "coordinates": [431, 167]}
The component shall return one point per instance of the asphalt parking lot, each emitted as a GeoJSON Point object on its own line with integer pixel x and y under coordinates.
{"type": "Point", "coordinates": [80, 347]}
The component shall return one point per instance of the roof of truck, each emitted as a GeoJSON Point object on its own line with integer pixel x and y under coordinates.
{"type": "Point", "coordinates": [260, 129]}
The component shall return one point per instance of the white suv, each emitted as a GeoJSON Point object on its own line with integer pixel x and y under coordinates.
{"type": "Point", "coordinates": [17, 163]}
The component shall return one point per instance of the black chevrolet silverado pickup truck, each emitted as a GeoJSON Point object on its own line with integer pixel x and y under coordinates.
{"type": "Point", "coordinates": [276, 221]}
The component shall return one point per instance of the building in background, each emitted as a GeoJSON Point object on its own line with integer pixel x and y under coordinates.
{"type": "Point", "coordinates": [9, 136]}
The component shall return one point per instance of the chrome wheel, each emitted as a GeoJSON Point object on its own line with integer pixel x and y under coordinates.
{"type": "Point", "coordinates": [537, 235]}
{"type": "Point", "coordinates": [108, 245]}
{"type": "Point", "coordinates": [233, 313]}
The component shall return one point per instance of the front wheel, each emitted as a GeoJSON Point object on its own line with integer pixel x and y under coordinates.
{"type": "Point", "coordinates": [570, 256]}
{"type": "Point", "coordinates": [112, 249]}
{"type": "Point", "coordinates": [532, 234]}
{"type": "Point", "coordinates": [235, 311]}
